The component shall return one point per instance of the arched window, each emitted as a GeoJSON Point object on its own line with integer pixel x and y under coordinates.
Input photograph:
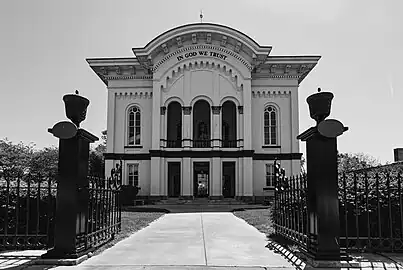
{"type": "Point", "coordinates": [174, 125]}
{"type": "Point", "coordinates": [270, 126]}
{"type": "Point", "coordinates": [228, 129]}
{"type": "Point", "coordinates": [134, 126]}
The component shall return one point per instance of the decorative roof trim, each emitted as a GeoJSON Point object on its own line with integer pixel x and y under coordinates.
{"type": "Point", "coordinates": [201, 27]}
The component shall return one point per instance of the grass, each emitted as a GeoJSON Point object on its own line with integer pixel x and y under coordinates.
{"type": "Point", "coordinates": [258, 218]}
{"type": "Point", "coordinates": [261, 220]}
{"type": "Point", "coordinates": [131, 222]}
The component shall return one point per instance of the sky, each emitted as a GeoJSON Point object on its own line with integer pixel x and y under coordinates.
{"type": "Point", "coordinates": [44, 44]}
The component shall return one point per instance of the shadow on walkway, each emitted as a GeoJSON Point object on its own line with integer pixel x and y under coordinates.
{"type": "Point", "coordinates": [358, 260]}
{"type": "Point", "coordinates": [13, 260]}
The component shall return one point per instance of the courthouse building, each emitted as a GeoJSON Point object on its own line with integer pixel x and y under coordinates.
{"type": "Point", "coordinates": [202, 110]}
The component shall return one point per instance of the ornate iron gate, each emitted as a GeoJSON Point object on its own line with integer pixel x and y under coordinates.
{"type": "Point", "coordinates": [103, 219]}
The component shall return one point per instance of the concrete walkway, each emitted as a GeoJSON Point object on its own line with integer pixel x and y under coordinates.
{"type": "Point", "coordinates": [190, 241]}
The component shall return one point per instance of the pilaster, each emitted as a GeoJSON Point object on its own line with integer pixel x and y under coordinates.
{"type": "Point", "coordinates": [247, 176]}
{"type": "Point", "coordinates": [294, 128]}
{"type": "Point", "coordinates": [186, 177]}
{"type": "Point", "coordinates": [215, 181]}
{"type": "Point", "coordinates": [239, 188]}
{"type": "Point", "coordinates": [247, 114]}
{"type": "Point", "coordinates": [110, 142]}
{"type": "Point", "coordinates": [156, 116]}
{"type": "Point", "coordinates": [155, 176]}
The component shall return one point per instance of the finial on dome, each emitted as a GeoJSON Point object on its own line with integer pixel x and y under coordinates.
{"type": "Point", "coordinates": [76, 92]}
{"type": "Point", "coordinates": [319, 89]}
{"type": "Point", "coordinates": [201, 16]}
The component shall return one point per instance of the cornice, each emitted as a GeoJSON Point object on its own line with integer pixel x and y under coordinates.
{"type": "Point", "coordinates": [296, 70]}
{"type": "Point", "coordinates": [134, 77]}
{"type": "Point", "coordinates": [134, 95]}
{"type": "Point", "coordinates": [269, 93]}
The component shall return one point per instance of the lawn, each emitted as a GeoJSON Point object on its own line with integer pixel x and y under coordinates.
{"type": "Point", "coordinates": [258, 218]}
{"type": "Point", "coordinates": [131, 222]}
{"type": "Point", "coordinates": [261, 220]}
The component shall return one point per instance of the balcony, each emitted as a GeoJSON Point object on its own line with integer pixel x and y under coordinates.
{"type": "Point", "coordinates": [174, 144]}
{"type": "Point", "coordinates": [229, 143]}
{"type": "Point", "coordinates": [170, 143]}
{"type": "Point", "coordinates": [201, 144]}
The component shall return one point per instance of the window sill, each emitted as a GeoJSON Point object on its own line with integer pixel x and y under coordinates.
{"type": "Point", "coordinates": [271, 146]}
{"type": "Point", "coordinates": [268, 188]}
{"type": "Point", "coordinates": [133, 146]}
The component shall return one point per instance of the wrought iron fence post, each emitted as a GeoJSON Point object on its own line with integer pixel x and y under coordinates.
{"type": "Point", "coordinates": [323, 204]}
{"type": "Point", "coordinates": [72, 190]}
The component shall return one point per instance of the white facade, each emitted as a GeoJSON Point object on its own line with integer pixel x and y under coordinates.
{"type": "Point", "coordinates": [204, 95]}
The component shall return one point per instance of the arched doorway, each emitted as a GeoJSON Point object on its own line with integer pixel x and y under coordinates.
{"type": "Point", "coordinates": [229, 129]}
{"type": "Point", "coordinates": [201, 124]}
{"type": "Point", "coordinates": [174, 125]}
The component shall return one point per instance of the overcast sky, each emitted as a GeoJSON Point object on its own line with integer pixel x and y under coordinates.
{"type": "Point", "coordinates": [44, 44]}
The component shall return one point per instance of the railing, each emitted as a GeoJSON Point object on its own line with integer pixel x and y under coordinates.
{"type": "Point", "coordinates": [174, 143]}
{"type": "Point", "coordinates": [201, 143]}
{"type": "Point", "coordinates": [371, 210]}
{"type": "Point", "coordinates": [27, 212]}
{"type": "Point", "coordinates": [103, 218]}
{"type": "Point", "coordinates": [290, 207]}
{"type": "Point", "coordinates": [229, 143]}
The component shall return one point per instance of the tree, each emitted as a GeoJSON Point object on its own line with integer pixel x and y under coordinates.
{"type": "Point", "coordinates": [355, 161]}
{"type": "Point", "coordinates": [44, 162]}
{"type": "Point", "coordinates": [96, 166]}
{"type": "Point", "coordinates": [15, 158]}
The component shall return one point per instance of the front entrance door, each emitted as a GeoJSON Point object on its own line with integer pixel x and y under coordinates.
{"type": "Point", "coordinates": [228, 175]}
{"type": "Point", "coordinates": [201, 179]}
{"type": "Point", "coordinates": [174, 179]}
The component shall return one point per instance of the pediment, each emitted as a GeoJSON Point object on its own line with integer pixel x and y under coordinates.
{"type": "Point", "coordinates": [207, 34]}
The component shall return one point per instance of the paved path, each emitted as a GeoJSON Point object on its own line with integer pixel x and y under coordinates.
{"type": "Point", "coordinates": [195, 240]}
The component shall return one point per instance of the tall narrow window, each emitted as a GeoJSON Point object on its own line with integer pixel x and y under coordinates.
{"type": "Point", "coordinates": [270, 126]}
{"type": "Point", "coordinates": [174, 125]}
{"type": "Point", "coordinates": [133, 174]}
{"type": "Point", "coordinates": [134, 126]}
{"type": "Point", "coordinates": [269, 175]}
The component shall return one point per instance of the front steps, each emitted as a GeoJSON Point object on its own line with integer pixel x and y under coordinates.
{"type": "Point", "coordinates": [199, 201]}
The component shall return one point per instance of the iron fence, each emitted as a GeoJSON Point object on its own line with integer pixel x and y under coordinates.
{"type": "Point", "coordinates": [371, 211]}
{"type": "Point", "coordinates": [27, 212]}
{"type": "Point", "coordinates": [290, 207]}
{"type": "Point", "coordinates": [103, 217]}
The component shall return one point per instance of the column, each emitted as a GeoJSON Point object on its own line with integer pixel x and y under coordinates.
{"type": "Point", "coordinates": [240, 132]}
{"type": "Point", "coordinates": [215, 181]}
{"type": "Point", "coordinates": [247, 114]}
{"type": "Point", "coordinates": [216, 126]}
{"type": "Point", "coordinates": [187, 118]}
{"type": "Point", "coordinates": [186, 178]}
{"type": "Point", "coordinates": [163, 126]}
